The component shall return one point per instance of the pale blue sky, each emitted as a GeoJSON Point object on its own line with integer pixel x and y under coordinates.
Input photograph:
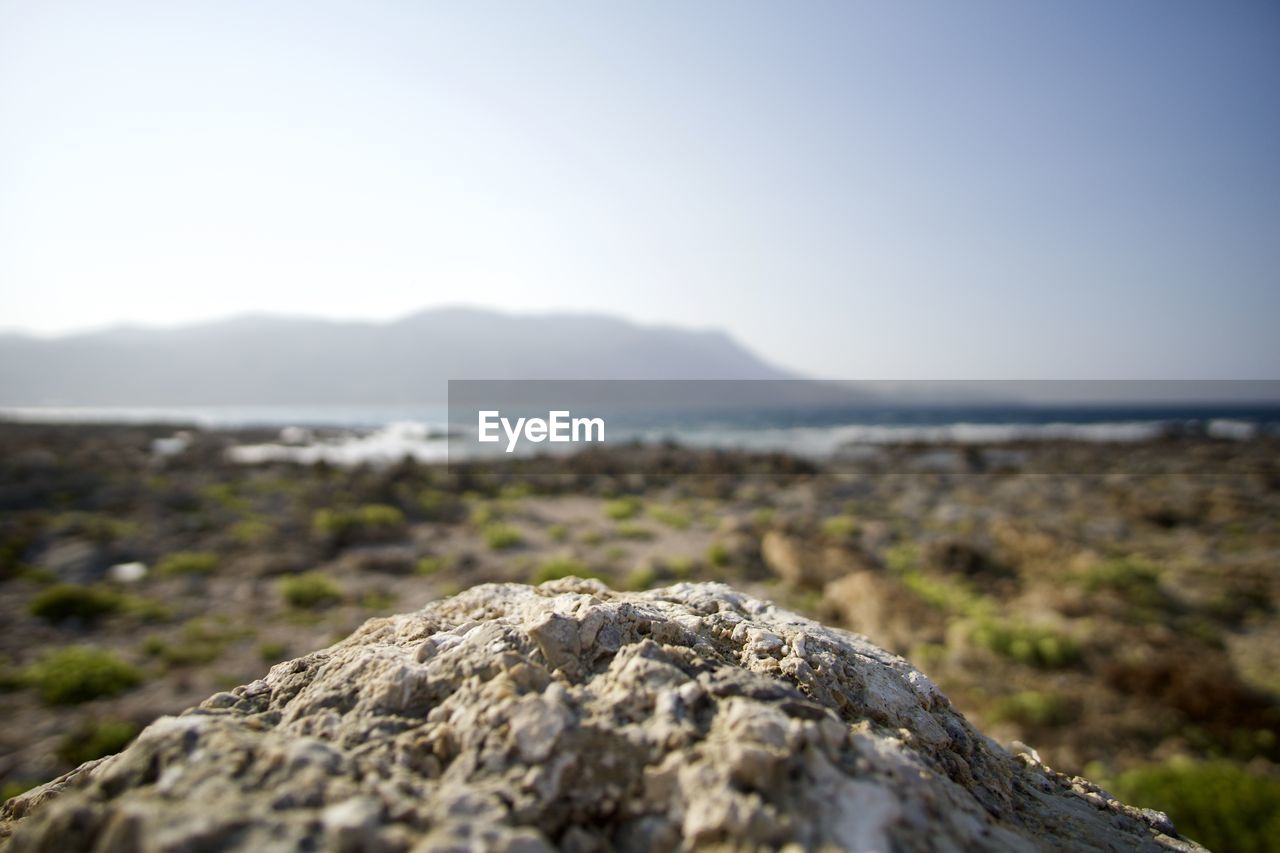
{"type": "Point", "coordinates": [857, 190]}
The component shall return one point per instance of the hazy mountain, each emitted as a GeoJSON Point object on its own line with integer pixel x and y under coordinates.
{"type": "Point", "coordinates": [289, 360]}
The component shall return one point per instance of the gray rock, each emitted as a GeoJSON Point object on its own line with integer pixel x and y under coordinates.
{"type": "Point", "coordinates": [570, 716]}
{"type": "Point", "coordinates": [76, 561]}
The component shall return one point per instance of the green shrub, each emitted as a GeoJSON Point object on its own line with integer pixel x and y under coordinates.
{"type": "Point", "coordinates": [1218, 803]}
{"type": "Point", "coordinates": [95, 739]}
{"type": "Point", "coordinates": [310, 591]}
{"type": "Point", "coordinates": [16, 788]}
{"type": "Point", "coordinates": [1032, 708]}
{"type": "Point", "coordinates": [515, 491]}
{"type": "Point", "coordinates": [483, 513]}
{"type": "Point", "coordinates": [200, 641]}
{"type": "Point", "coordinates": [902, 558]}
{"type": "Point", "coordinates": [558, 533]}
{"type": "Point", "coordinates": [272, 651]}
{"type": "Point", "coordinates": [718, 554]}
{"type": "Point", "coordinates": [681, 567]}
{"type": "Point", "coordinates": [622, 508]}
{"type": "Point", "coordinates": [641, 577]}
{"type": "Point", "coordinates": [224, 495]}
{"type": "Point", "coordinates": [428, 565]}
{"type": "Point", "coordinates": [671, 516]}
{"type": "Point", "coordinates": [250, 531]}
{"type": "Point", "coordinates": [438, 505]}
{"type": "Point", "coordinates": [371, 523]}
{"type": "Point", "coordinates": [500, 537]}
{"type": "Point", "coordinates": [561, 567]}
{"type": "Point", "coordinates": [949, 594]}
{"type": "Point", "coordinates": [75, 674]}
{"type": "Point", "coordinates": [10, 678]}
{"type": "Point", "coordinates": [839, 527]}
{"type": "Point", "coordinates": [1027, 644]}
{"type": "Point", "coordinates": [73, 601]}
{"type": "Point", "coordinates": [100, 528]}
{"type": "Point", "coordinates": [377, 599]}
{"type": "Point", "coordinates": [187, 563]}
{"type": "Point", "coordinates": [631, 530]}
{"type": "Point", "coordinates": [1132, 578]}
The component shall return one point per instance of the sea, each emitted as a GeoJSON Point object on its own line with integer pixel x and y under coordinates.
{"type": "Point", "coordinates": [351, 435]}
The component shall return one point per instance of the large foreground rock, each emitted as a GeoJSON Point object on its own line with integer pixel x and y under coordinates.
{"type": "Point", "coordinates": [520, 718]}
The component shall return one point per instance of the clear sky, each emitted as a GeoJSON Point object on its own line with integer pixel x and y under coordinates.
{"type": "Point", "coordinates": [856, 190]}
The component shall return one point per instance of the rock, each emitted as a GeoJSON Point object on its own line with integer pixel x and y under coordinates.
{"type": "Point", "coordinates": [76, 561]}
{"type": "Point", "coordinates": [567, 715]}
{"type": "Point", "coordinates": [878, 605]}
{"type": "Point", "coordinates": [127, 572]}
{"type": "Point", "coordinates": [803, 565]}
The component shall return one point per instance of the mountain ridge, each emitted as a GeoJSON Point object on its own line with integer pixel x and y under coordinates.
{"type": "Point", "coordinates": [285, 359]}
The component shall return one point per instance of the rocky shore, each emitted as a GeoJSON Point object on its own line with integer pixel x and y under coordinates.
{"type": "Point", "coordinates": [1114, 607]}
{"type": "Point", "coordinates": [570, 716]}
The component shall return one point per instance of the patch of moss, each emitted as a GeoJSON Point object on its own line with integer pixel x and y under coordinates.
{"type": "Point", "coordinates": [272, 651]}
{"type": "Point", "coordinates": [310, 591]}
{"type": "Point", "coordinates": [1032, 708]}
{"type": "Point", "coordinates": [622, 509]}
{"type": "Point", "coordinates": [632, 530]}
{"type": "Point", "coordinates": [501, 537]}
{"type": "Point", "coordinates": [250, 531]}
{"type": "Point", "coordinates": [187, 563]}
{"type": "Point", "coordinates": [377, 599]}
{"type": "Point", "coordinates": [902, 558]}
{"type": "Point", "coordinates": [1220, 804]}
{"type": "Point", "coordinates": [641, 577]}
{"type": "Point", "coordinates": [1134, 579]}
{"type": "Point", "coordinates": [561, 567]}
{"type": "Point", "coordinates": [74, 674]}
{"type": "Point", "coordinates": [718, 554]}
{"type": "Point", "coordinates": [368, 523]}
{"type": "Point", "coordinates": [839, 527]}
{"type": "Point", "coordinates": [681, 566]}
{"type": "Point", "coordinates": [73, 601]}
{"type": "Point", "coordinates": [438, 505]}
{"type": "Point", "coordinates": [428, 566]}
{"type": "Point", "coordinates": [1032, 645]}
{"type": "Point", "coordinates": [96, 738]}
{"type": "Point", "coordinates": [671, 516]}
{"type": "Point", "coordinates": [225, 496]}
{"type": "Point", "coordinates": [558, 533]}
{"type": "Point", "coordinates": [94, 526]}
{"type": "Point", "coordinates": [201, 640]}
{"type": "Point", "coordinates": [15, 788]}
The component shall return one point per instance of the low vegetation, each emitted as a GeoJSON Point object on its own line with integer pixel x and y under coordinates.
{"type": "Point", "coordinates": [73, 601]}
{"type": "Point", "coordinates": [187, 563]}
{"type": "Point", "coordinates": [310, 591]}
{"type": "Point", "coordinates": [74, 674]}
{"type": "Point", "coordinates": [561, 567]}
{"type": "Point", "coordinates": [96, 738]}
{"type": "Point", "coordinates": [1218, 803]}
{"type": "Point", "coordinates": [367, 523]}
{"type": "Point", "coordinates": [500, 536]}
{"type": "Point", "coordinates": [622, 509]}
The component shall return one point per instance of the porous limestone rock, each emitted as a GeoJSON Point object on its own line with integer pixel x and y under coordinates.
{"type": "Point", "coordinates": [570, 716]}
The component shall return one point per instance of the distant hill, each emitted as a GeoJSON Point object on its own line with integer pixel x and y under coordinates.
{"type": "Point", "coordinates": [257, 360]}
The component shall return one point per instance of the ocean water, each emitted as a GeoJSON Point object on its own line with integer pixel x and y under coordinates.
{"type": "Point", "coordinates": [349, 435]}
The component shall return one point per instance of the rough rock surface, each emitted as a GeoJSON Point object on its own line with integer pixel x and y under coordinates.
{"type": "Point", "coordinates": [567, 715]}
